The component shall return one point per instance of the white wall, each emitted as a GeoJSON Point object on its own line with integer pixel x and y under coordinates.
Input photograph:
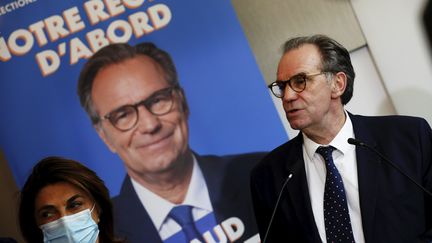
{"type": "Point", "coordinates": [398, 53]}
{"type": "Point", "coordinates": [395, 35]}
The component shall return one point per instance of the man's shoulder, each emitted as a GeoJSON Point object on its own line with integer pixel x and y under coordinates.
{"type": "Point", "coordinates": [239, 159]}
{"type": "Point", "coordinates": [126, 194]}
{"type": "Point", "coordinates": [389, 119]}
{"type": "Point", "coordinates": [117, 199]}
{"type": "Point", "coordinates": [289, 148]}
{"type": "Point", "coordinates": [233, 166]}
{"type": "Point", "coordinates": [390, 122]}
{"type": "Point", "coordinates": [277, 160]}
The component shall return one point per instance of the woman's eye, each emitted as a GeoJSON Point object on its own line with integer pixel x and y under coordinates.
{"type": "Point", "coordinates": [75, 205]}
{"type": "Point", "coordinates": [47, 214]}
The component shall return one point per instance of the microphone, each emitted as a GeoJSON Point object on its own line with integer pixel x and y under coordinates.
{"type": "Point", "coordinates": [357, 142]}
{"type": "Point", "coordinates": [275, 207]}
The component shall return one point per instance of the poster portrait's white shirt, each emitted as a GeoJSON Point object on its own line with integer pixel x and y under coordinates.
{"type": "Point", "coordinates": [345, 160]}
{"type": "Point", "coordinates": [158, 208]}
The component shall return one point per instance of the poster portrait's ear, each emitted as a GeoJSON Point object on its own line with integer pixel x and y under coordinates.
{"type": "Point", "coordinates": [102, 134]}
{"type": "Point", "coordinates": [183, 102]}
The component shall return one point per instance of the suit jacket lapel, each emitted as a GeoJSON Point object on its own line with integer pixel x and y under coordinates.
{"type": "Point", "coordinates": [131, 217]}
{"type": "Point", "coordinates": [221, 195]}
{"type": "Point", "coordinates": [298, 191]}
{"type": "Point", "coordinates": [368, 164]}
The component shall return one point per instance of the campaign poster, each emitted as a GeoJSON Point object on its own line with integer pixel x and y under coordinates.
{"type": "Point", "coordinates": [45, 43]}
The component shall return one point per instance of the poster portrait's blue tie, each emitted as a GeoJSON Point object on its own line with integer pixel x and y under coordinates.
{"type": "Point", "coordinates": [336, 216]}
{"type": "Point", "coordinates": [183, 216]}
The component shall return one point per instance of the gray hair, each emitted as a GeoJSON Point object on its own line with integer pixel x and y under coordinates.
{"type": "Point", "coordinates": [117, 53]}
{"type": "Point", "coordinates": [335, 58]}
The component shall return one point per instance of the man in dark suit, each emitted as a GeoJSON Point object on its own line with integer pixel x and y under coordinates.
{"type": "Point", "coordinates": [339, 192]}
{"type": "Point", "coordinates": [170, 194]}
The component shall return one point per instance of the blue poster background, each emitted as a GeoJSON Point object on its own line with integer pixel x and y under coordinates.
{"type": "Point", "coordinates": [231, 109]}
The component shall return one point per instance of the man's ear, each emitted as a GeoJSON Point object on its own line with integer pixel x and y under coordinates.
{"type": "Point", "coordinates": [184, 105]}
{"type": "Point", "coordinates": [102, 134]}
{"type": "Point", "coordinates": [339, 84]}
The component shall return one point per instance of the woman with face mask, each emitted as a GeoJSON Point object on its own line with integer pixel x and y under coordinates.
{"type": "Point", "coordinates": [64, 201]}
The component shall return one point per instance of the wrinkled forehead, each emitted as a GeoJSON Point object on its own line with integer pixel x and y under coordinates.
{"type": "Point", "coordinates": [58, 194]}
{"type": "Point", "coordinates": [127, 82]}
{"type": "Point", "coordinates": [304, 59]}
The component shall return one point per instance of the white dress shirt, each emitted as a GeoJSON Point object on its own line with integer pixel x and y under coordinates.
{"type": "Point", "coordinates": [158, 208]}
{"type": "Point", "coordinates": [345, 160]}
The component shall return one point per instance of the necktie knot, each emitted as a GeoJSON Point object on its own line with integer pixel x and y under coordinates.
{"type": "Point", "coordinates": [326, 152]}
{"type": "Point", "coordinates": [182, 214]}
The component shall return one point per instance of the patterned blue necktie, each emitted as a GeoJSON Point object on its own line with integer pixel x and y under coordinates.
{"type": "Point", "coordinates": [183, 216]}
{"type": "Point", "coordinates": [336, 217]}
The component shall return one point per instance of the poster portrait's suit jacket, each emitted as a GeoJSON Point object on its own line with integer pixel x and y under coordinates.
{"type": "Point", "coordinates": [392, 208]}
{"type": "Point", "coordinates": [227, 180]}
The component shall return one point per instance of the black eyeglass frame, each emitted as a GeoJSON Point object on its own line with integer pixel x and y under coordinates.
{"type": "Point", "coordinates": [281, 84]}
{"type": "Point", "coordinates": [147, 103]}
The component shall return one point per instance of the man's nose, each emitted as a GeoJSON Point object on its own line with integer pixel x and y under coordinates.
{"type": "Point", "coordinates": [289, 94]}
{"type": "Point", "coordinates": [147, 121]}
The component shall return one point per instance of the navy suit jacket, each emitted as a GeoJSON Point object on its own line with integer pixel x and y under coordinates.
{"type": "Point", "coordinates": [227, 180]}
{"type": "Point", "coordinates": [392, 208]}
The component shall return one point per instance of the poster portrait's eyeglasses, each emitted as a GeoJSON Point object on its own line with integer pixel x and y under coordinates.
{"type": "Point", "coordinates": [126, 117]}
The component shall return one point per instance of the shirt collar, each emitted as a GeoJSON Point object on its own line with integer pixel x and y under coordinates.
{"type": "Point", "coordinates": [158, 208]}
{"type": "Point", "coordinates": [339, 142]}
{"type": "Point", "coordinates": [197, 194]}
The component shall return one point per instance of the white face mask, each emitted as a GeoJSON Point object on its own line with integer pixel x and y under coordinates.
{"type": "Point", "coordinates": [79, 227]}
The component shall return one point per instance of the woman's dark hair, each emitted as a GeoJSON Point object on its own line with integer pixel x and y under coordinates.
{"type": "Point", "coordinates": [53, 170]}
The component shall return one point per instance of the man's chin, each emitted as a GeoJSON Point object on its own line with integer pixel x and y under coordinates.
{"type": "Point", "coordinates": [295, 124]}
{"type": "Point", "coordinates": [156, 166]}
{"type": "Point", "coordinates": [295, 128]}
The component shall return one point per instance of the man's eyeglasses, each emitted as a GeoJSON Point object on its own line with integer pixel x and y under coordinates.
{"type": "Point", "coordinates": [296, 83]}
{"type": "Point", "coordinates": [126, 117]}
